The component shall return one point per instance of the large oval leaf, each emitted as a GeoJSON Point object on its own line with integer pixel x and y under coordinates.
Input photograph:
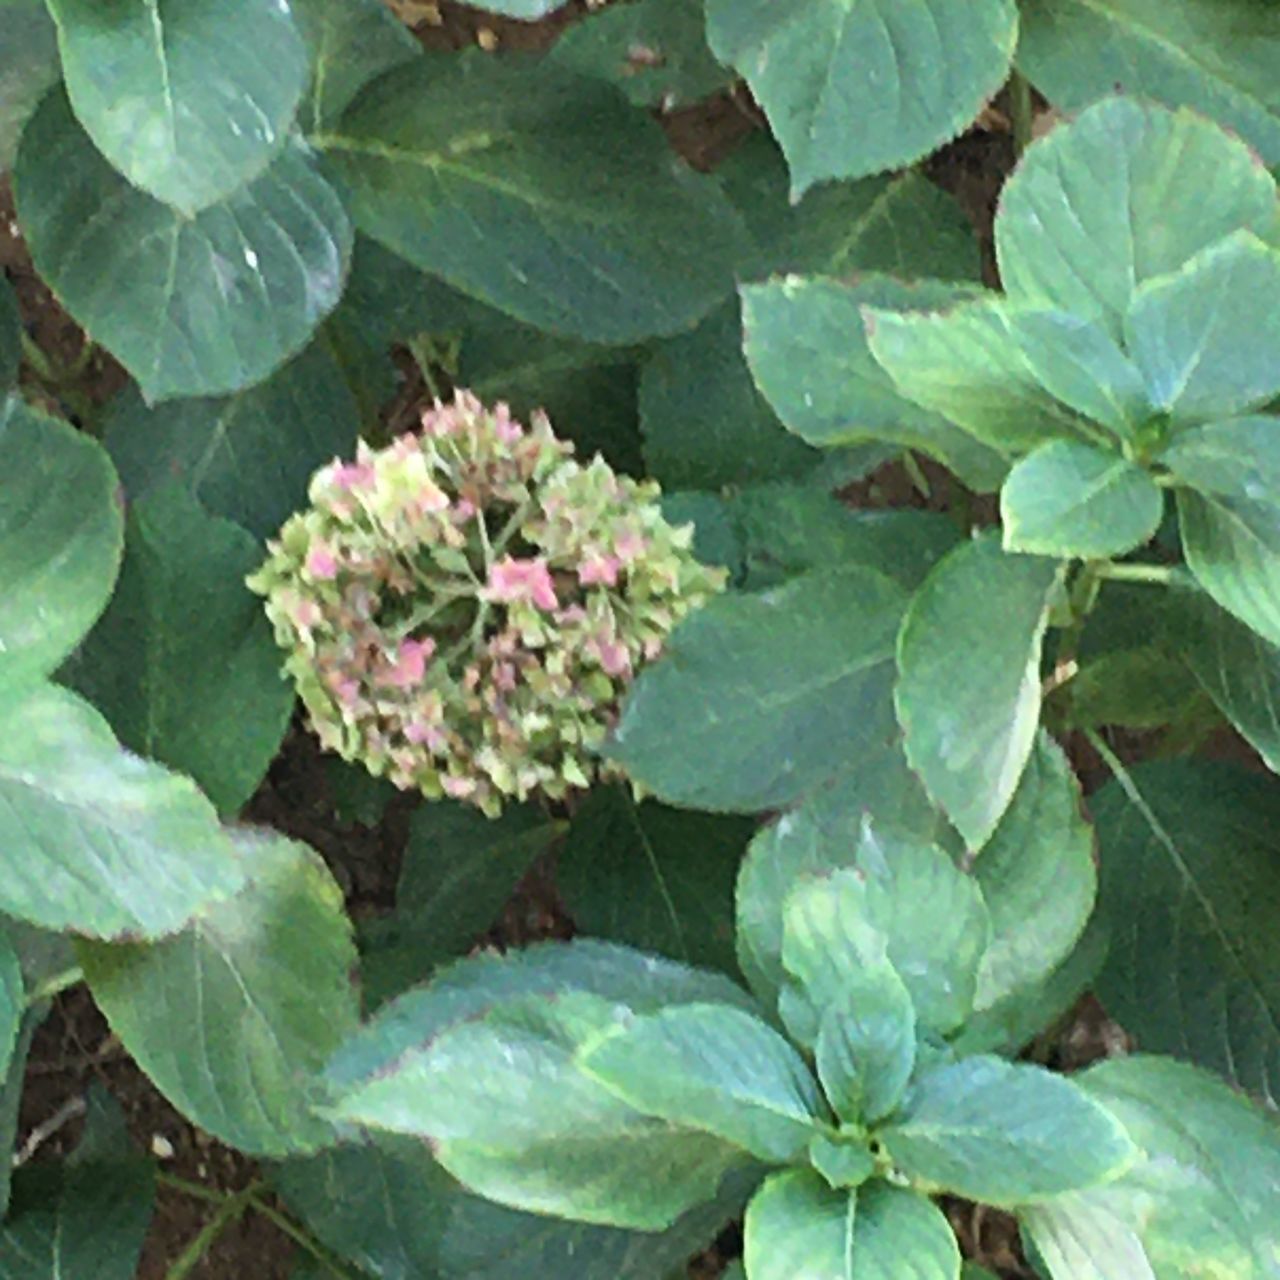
{"type": "Point", "coordinates": [189, 99]}
{"type": "Point", "coordinates": [968, 696]}
{"type": "Point", "coordinates": [543, 195]}
{"type": "Point", "coordinates": [61, 533]}
{"type": "Point", "coordinates": [183, 663]}
{"type": "Point", "coordinates": [233, 1017]}
{"type": "Point", "coordinates": [28, 67]}
{"type": "Point", "coordinates": [854, 88]}
{"type": "Point", "coordinates": [191, 306]}
{"type": "Point", "coordinates": [12, 1004]}
{"type": "Point", "coordinates": [1191, 891]}
{"type": "Point", "coordinates": [1218, 56]}
{"type": "Point", "coordinates": [759, 698]}
{"type": "Point", "coordinates": [1098, 207]}
{"type": "Point", "coordinates": [94, 840]}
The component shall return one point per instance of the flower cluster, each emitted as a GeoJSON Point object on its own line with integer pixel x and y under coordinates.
{"type": "Point", "coordinates": [464, 609]}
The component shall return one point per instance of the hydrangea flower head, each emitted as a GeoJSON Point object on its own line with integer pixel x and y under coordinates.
{"type": "Point", "coordinates": [464, 609]}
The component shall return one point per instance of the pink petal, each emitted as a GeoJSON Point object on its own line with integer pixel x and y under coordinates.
{"type": "Point", "coordinates": [599, 569]}
{"type": "Point", "coordinates": [321, 563]}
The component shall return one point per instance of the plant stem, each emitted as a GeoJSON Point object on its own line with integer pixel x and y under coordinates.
{"type": "Point", "coordinates": [1160, 574]}
{"type": "Point", "coordinates": [230, 1210]}
{"type": "Point", "coordinates": [299, 1237]}
{"type": "Point", "coordinates": [1021, 112]}
{"type": "Point", "coordinates": [51, 987]}
{"type": "Point", "coordinates": [192, 1189]}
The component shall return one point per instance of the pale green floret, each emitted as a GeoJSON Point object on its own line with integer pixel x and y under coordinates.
{"type": "Point", "coordinates": [463, 610]}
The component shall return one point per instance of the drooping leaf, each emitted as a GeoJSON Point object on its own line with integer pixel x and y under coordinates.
{"type": "Point", "coordinates": [968, 696]}
{"type": "Point", "coordinates": [191, 306]}
{"type": "Point", "coordinates": [1215, 56]}
{"type": "Point", "coordinates": [904, 902]}
{"type": "Point", "coordinates": [1190, 887]}
{"type": "Point", "coordinates": [770, 694]}
{"type": "Point", "coordinates": [77, 1221]}
{"type": "Point", "coordinates": [246, 456]}
{"type": "Point", "coordinates": [866, 1048]}
{"type": "Point", "coordinates": [655, 51]}
{"type": "Point", "coordinates": [541, 194]}
{"type": "Point", "coordinates": [1201, 1200]}
{"type": "Point", "coordinates": [233, 1018]}
{"type": "Point", "coordinates": [806, 345]}
{"type": "Point", "coordinates": [11, 1086]}
{"type": "Point", "coordinates": [823, 835]}
{"type": "Point", "coordinates": [1037, 877]}
{"type": "Point", "coordinates": [1076, 501]}
{"type": "Point", "coordinates": [390, 1208]}
{"type": "Point", "coordinates": [964, 364]}
{"type": "Point", "coordinates": [189, 99]}
{"type": "Point", "coordinates": [183, 663]}
{"type": "Point", "coordinates": [28, 68]}
{"type": "Point", "coordinates": [94, 840]}
{"type": "Point", "coordinates": [13, 1001]}
{"type": "Point", "coordinates": [1203, 336]}
{"type": "Point", "coordinates": [714, 1068]}
{"type": "Point", "coordinates": [853, 89]}
{"type": "Point", "coordinates": [1229, 510]}
{"type": "Point", "coordinates": [656, 878]}
{"type": "Point", "coordinates": [1005, 1133]}
{"type": "Point", "coordinates": [351, 42]}
{"type": "Point", "coordinates": [563, 1143]}
{"type": "Point", "coordinates": [1097, 208]}
{"type": "Point", "coordinates": [1237, 668]}
{"type": "Point", "coordinates": [61, 532]}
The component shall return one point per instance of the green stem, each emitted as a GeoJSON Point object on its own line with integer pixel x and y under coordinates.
{"type": "Point", "coordinates": [51, 987]}
{"type": "Point", "coordinates": [299, 1237]}
{"type": "Point", "coordinates": [193, 1189]}
{"type": "Point", "coordinates": [916, 475]}
{"type": "Point", "coordinates": [1159, 574]}
{"type": "Point", "coordinates": [1021, 111]}
{"type": "Point", "coordinates": [230, 1210]}
{"type": "Point", "coordinates": [34, 356]}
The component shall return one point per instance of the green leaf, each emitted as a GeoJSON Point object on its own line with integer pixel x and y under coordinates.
{"type": "Point", "coordinates": [543, 195]}
{"type": "Point", "coordinates": [1204, 335]}
{"type": "Point", "coordinates": [77, 1221]}
{"type": "Point", "coordinates": [28, 68]}
{"type": "Point", "coordinates": [13, 1003]}
{"type": "Point", "coordinates": [521, 10]}
{"type": "Point", "coordinates": [965, 364]}
{"type": "Point", "coordinates": [247, 456]}
{"type": "Point", "coordinates": [1217, 56]}
{"type": "Point", "coordinates": [94, 840]}
{"type": "Point", "coordinates": [1004, 1133]}
{"type": "Point", "coordinates": [1098, 207]}
{"type": "Point", "coordinates": [853, 89]}
{"type": "Point", "coordinates": [191, 306]}
{"type": "Point", "coordinates": [458, 872]}
{"type": "Point", "coordinates": [571, 1148]}
{"type": "Point", "coordinates": [822, 835]}
{"type": "Point", "coordinates": [189, 99]}
{"type": "Point", "coordinates": [1190, 888]}
{"type": "Point", "coordinates": [1229, 513]}
{"type": "Point", "coordinates": [904, 901]}
{"type": "Point", "coordinates": [654, 51]}
{"type": "Point", "coordinates": [769, 694]}
{"type": "Point", "coordinates": [11, 1088]}
{"type": "Point", "coordinates": [704, 423]}
{"type": "Point", "coordinates": [659, 879]}
{"type": "Point", "coordinates": [866, 1048]}
{"type": "Point", "coordinates": [844, 1161]}
{"type": "Point", "coordinates": [233, 1018]}
{"type": "Point", "coordinates": [806, 345]}
{"type": "Point", "coordinates": [183, 663]}
{"type": "Point", "coordinates": [1074, 501]}
{"type": "Point", "coordinates": [799, 1229]}
{"type": "Point", "coordinates": [61, 532]}
{"type": "Point", "coordinates": [713, 1068]}
{"type": "Point", "coordinates": [1037, 876]}
{"type": "Point", "coordinates": [968, 696]}
{"type": "Point", "coordinates": [351, 42]}
{"type": "Point", "coordinates": [1201, 1201]}
{"type": "Point", "coordinates": [10, 338]}
{"type": "Point", "coordinates": [1237, 668]}
{"type": "Point", "coordinates": [388, 1207]}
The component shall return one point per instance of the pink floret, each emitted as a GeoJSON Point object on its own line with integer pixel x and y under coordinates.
{"type": "Point", "coordinates": [599, 569]}
{"type": "Point", "coordinates": [512, 580]}
{"type": "Point", "coordinates": [410, 663]}
{"type": "Point", "coordinates": [321, 563]}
